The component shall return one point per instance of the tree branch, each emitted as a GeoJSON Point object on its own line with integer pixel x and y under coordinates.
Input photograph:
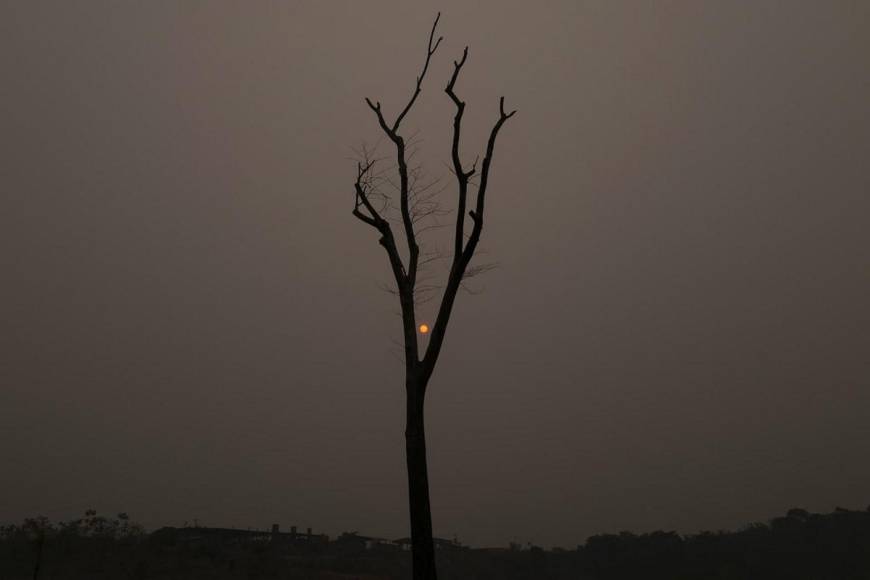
{"type": "Point", "coordinates": [361, 199]}
{"type": "Point", "coordinates": [375, 220]}
{"type": "Point", "coordinates": [430, 50]}
{"type": "Point", "coordinates": [461, 175]}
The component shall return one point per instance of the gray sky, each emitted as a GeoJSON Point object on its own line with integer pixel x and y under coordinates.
{"type": "Point", "coordinates": [676, 336]}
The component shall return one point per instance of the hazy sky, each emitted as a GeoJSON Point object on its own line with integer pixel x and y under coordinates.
{"type": "Point", "coordinates": [676, 336]}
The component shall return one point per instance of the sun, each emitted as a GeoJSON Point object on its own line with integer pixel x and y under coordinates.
{"type": "Point", "coordinates": [424, 328]}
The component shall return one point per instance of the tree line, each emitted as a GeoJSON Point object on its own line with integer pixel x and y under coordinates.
{"type": "Point", "coordinates": [798, 545]}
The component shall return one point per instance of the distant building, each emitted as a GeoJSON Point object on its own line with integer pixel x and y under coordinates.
{"type": "Point", "coordinates": [352, 541]}
{"type": "Point", "coordinates": [357, 541]}
{"type": "Point", "coordinates": [197, 535]}
{"type": "Point", "coordinates": [440, 544]}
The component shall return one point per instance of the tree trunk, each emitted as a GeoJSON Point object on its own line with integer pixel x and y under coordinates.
{"type": "Point", "coordinates": [422, 545]}
{"type": "Point", "coordinates": [40, 541]}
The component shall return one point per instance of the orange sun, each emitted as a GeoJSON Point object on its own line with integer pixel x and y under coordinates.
{"type": "Point", "coordinates": [424, 328]}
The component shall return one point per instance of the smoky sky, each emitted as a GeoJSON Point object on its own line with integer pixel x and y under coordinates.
{"type": "Point", "coordinates": [676, 335]}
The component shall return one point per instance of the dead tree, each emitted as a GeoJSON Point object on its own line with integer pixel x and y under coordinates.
{"type": "Point", "coordinates": [418, 369]}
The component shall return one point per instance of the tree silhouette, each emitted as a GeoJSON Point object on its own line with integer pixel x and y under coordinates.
{"type": "Point", "coordinates": [418, 370]}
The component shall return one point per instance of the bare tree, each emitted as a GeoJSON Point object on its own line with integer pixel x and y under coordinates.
{"type": "Point", "coordinates": [370, 207]}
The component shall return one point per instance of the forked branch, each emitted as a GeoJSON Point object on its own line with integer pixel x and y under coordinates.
{"type": "Point", "coordinates": [399, 142]}
{"type": "Point", "coordinates": [463, 255]}
{"type": "Point", "coordinates": [430, 50]}
{"type": "Point", "coordinates": [463, 250]}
